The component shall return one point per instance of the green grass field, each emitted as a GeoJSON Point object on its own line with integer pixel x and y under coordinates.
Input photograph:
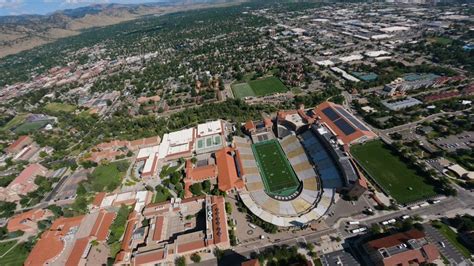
{"type": "Point", "coordinates": [60, 107]}
{"type": "Point", "coordinates": [242, 90]}
{"type": "Point", "coordinates": [391, 173]}
{"type": "Point", "coordinates": [277, 174]}
{"type": "Point", "coordinates": [267, 86]}
{"type": "Point", "coordinates": [16, 256]}
{"type": "Point", "coordinates": [17, 120]}
{"type": "Point", "coordinates": [108, 177]}
{"type": "Point", "coordinates": [30, 127]}
{"type": "Point", "coordinates": [259, 87]}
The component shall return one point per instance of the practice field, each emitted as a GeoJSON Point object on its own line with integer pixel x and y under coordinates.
{"type": "Point", "coordinates": [393, 175]}
{"type": "Point", "coordinates": [28, 127]}
{"type": "Point", "coordinates": [267, 86]}
{"type": "Point", "coordinates": [259, 87]}
{"type": "Point", "coordinates": [242, 90]}
{"type": "Point", "coordinates": [277, 174]}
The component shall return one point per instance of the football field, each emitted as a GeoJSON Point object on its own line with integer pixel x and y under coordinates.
{"type": "Point", "coordinates": [277, 173]}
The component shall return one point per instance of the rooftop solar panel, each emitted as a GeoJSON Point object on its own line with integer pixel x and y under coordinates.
{"type": "Point", "coordinates": [330, 113]}
{"type": "Point", "coordinates": [346, 128]}
{"type": "Point", "coordinates": [351, 118]}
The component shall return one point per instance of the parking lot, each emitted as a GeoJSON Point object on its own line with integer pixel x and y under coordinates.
{"type": "Point", "coordinates": [452, 143]}
{"type": "Point", "coordinates": [448, 251]}
{"type": "Point", "coordinates": [340, 257]}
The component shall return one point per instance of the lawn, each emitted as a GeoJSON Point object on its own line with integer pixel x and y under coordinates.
{"type": "Point", "coordinates": [267, 86]}
{"type": "Point", "coordinates": [453, 238]}
{"type": "Point", "coordinates": [16, 256]}
{"type": "Point", "coordinates": [277, 174]}
{"type": "Point", "coordinates": [60, 107]}
{"type": "Point", "coordinates": [17, 120]}
{"type": "Point", "coordinates": [242, 90]}
{"type": "Point", "coordinates": [441, 40]}
{"type": "Point", "coordinates": [393, 175]}
{"type": "Point", "coordinates": [108, 177]}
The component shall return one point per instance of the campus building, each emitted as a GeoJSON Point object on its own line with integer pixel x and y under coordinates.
{"type": "Point", "coordinates": [407, 248]}
{"type": "Point", "coordinates": [174, 228]}
{"type": "Point", "coordinates": [23, 183]}
{"type": "Point", "coordinates": [343, 125]}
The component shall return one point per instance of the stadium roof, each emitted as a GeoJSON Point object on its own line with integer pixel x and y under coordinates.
{"type": "Point", "coordinates": [348, 128]}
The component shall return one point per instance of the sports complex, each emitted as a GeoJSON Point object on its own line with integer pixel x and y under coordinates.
{"type": "Point", "coordinates": [294, 164]}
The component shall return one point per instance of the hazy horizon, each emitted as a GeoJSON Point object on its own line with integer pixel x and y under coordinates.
{"type": "Point", "coordinates": [43, 7]}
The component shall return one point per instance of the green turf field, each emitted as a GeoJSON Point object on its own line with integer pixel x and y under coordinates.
{"type": "Point", "coordinates": [393, 175]}
{"type": "Point", "coordinates": [242, 90]}
{"type": "Point", "coordinates": [267, 86]}
{"type": "Point", "coordinates": [60, 107]}
{"type": "Point", "coordinates": [28, 127]}
{"type": "Point", "coordinates": [277, 173]}
{"type": "Point", "coordinates": [259, 87]}
{"type": "Point", "coordinates": [12, 256]}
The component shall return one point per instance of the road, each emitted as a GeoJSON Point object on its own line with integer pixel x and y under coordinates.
{"type": "Point", "coordinates": [463, 203]}
{"type": "Point", "coordinates": [414, 124]}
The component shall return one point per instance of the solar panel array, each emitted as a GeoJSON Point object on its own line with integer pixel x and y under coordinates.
{"type": "Point", "coordinates": [331, 114]}
{"type": "Point", "coordinates": [342, 123]}
{"type": "Point", "coordinates": [344, 126]}
{"type": "Point", "coordinates": [351, 118]}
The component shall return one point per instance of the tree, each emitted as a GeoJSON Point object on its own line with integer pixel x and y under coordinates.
{"type": "Point", "coordinates": [228, 208]}
{"type": "Point", "coordinates": [196, 189]}
{"type": "Point", "coordinates": [180, 261]}
{"type": "Point", "coordinates": [195, 258]}
{"type": "Point", "coordinates": [58, 211]}
{"type": "Point", "coordinates": [206, 186]}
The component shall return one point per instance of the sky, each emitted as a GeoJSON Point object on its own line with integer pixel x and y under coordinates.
{"type": "Point", "coordinates": [18, 7]}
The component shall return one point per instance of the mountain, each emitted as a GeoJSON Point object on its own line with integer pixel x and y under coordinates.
{"type": "Point", "coordinates": [19, 33]}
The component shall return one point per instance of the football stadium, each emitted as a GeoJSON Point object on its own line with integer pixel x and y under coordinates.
{"type": "Point", "coordinates": [294, 164]}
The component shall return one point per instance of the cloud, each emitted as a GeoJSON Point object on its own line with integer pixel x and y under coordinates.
{"type": "Point", "coordinates": [10, 3]}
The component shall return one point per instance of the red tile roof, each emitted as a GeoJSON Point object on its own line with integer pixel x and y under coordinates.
{"type": "Point", "coordinates": [149, 257]}
{"type": "Point", "coordinates": [18, 144]}
{"type": "Point", "coordinates": [198, 174]}
{"type": "Point", "coordinates": [249, 126]}
{"type": "Point", "coordinates": [227, 173]}
{"type": "Point", "coordinates": [50, 245]}
{"type": "Point", "coordinates": [431, 252]}
{"type": "Point", "coordinates": [23, 221]}
{"type": "Point", "coordinates": [101, 227]}
{"type": "Point", "coordinates": [77, 251]}
{"type": "Point", "coordinates": [99, 197]}
{"type": "Point", "coordinates": [195, 245]}
{"type": "Point", "coordinates": [219, 220]}
{"type": "Point", "coordinates": [24, 182]}
{"type": "Point", "coordinates": [395, 239]}
{"type": "Point", "coordinates": [127, 237]}
{"type": "Point", "coordinates": [158, 228]}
